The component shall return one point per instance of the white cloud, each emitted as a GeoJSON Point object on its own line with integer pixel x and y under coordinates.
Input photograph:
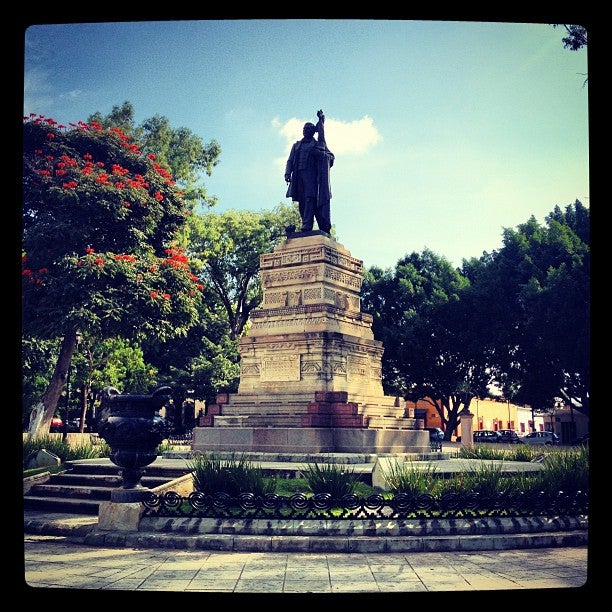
{"type": "Point", "coordinates": [343, 138]}
{"type": "Point", "coordinates": [71, 95]}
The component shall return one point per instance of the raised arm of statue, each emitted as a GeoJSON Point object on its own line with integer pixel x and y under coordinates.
{"type": "Point", "coordinates": [320, 128]}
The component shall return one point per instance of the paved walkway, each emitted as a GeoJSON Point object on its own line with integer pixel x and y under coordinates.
{"type": "Point", "coordinates": [57, 562]}
{"type": "Point", "coordinates": [64, 563]}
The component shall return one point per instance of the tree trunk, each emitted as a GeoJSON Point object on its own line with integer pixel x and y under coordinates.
{"type": "Point", "coordinates": [83, 398]}
{"type": "Point", "coordinates": [58, 380]}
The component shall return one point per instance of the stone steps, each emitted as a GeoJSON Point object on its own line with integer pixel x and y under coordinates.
{"type": "Point", "coordinates": [86, 483]}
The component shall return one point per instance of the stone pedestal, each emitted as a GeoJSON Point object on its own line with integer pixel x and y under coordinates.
{"type": "Point", "coordinates": [310, 334]}
{"type": "Point", "coordinates": [119, 516]}
{"type": "Point", "coordinates": [467, 428]}
{"type": "Point", "coordinates": [309, 360]}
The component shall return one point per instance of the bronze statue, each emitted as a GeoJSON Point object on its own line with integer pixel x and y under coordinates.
{"type": "Point", "coordinates": [307, 175]}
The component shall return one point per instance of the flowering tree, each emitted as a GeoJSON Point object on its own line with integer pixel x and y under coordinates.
{"type": "Point", "coordinates": [100, 252]}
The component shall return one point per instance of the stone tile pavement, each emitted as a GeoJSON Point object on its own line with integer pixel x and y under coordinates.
{"type": "Point", "coordinates": [57, 563]}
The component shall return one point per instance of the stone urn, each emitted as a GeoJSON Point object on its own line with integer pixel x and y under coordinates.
{"type": "Point", "coordinates": [132, 427]}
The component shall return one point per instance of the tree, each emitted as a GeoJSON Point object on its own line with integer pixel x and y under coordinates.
{"type": "Point", "coordinates": [201, 364]}
{"type": "Point", "coordinates": [228, 247]}
{"type": "Point", "coordinates": [38, 358]}
{"type": "Point", "coordinates": [577, 37]}
{"type": "Point", "coordinates": [179, 150]}
{"type": "Point", "coordinates": [432, 348]}
{"type": "Point", "coordinates": [100, 254]}
{"type": "Point", "coordinates": [537, 324]}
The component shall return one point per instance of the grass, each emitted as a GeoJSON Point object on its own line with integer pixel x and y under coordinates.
{"type": "Point", "coordinates": [565, 469]}
{"type": "Point", "coordinates": [63, 450]}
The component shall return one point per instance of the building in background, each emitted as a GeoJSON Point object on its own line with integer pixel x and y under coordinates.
{"type": "Point", "coordinates": [497, 414]}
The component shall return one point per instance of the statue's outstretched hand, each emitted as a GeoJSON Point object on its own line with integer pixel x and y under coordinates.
{"type": "Point", "coordinates": [321, 116]}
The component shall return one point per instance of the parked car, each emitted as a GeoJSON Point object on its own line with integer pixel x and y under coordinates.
{"type": "Point", "coordinates": [486, 435]}
{"type": "Point", "coordinates": [435, 434]}
{"type": "Point", "coordinates": [541, 438]}
{"type": "Point", "coordinates": [57, 425]}
{"type": "Point", "coordinates": [509, 436]}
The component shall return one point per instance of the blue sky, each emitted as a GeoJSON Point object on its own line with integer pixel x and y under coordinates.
{"type": "Point", "coordinates": [444, 132]}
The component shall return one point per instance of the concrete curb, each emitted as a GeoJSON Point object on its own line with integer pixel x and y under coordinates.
{"type": "Point", "coordinates": [357, 536]}
{"type": "Point", "coordinates": [335, 544]}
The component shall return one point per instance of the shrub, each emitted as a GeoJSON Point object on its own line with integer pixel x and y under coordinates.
{"type": "Point", "coordinates": [63, 450]}
{"type": "Point", "coordinates": [213, 474]}
{"type": "Point", "coordinates": [566, 471]}
{"type": "Point", "coordinates": [334, 479]}
{"type": "Point", "coordinates": [486, 480]}
{"type": "Point", "coordinates": [407, 478]}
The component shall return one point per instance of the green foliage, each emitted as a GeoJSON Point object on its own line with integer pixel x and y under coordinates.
{"type": "Point", "coordinates": [406, 477]}
{"type": "Point", "coordinates": [99, 221]}
{"type": "Point", "coordinates": [101, 252]}
{"type": "Point", "coordinates": [488, 451]}
{"type": "Point", "coordinates": [117, 363]}
{"type": "Point", "coordinates": [486, 479]}
{"type": "Point", "coordinates": [518, 452]}
{"type": "Point", "coordinates": [177, 149]}
{"type": "Point", "coordinates": [538, 325]}
{"type": "Point", "coordinates": [335, 479]}
{"type": "Point", "coordinates": [519, 317]}
{"type": "Point", "coordinates": [228, 247]}
{"type": "Point", "coordinates": [290, 486]}
{"type": "Point", "coordinates": [433, 348]}
{"type": "Point", "coordinates": [65, 451]}
{"type": "Point", "coordinates": [563, 470]}
{"type": "Point", "coordinates": [234, 475]}
{"type": "Point", "coordinates": [577, 36]}
{"type": "Point", "coordinates": [566, 471]}
{"type": "Point", "coordinates": [38, 357]}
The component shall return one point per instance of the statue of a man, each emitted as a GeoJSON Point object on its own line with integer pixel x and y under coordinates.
{"type": "Point", "coordinates": [307, 174]}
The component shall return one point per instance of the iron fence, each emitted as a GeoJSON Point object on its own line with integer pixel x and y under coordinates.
{"type": "Point", "coordinates": [398, 506]}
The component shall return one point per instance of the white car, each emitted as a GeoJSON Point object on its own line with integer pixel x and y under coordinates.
{"type": "Point", "coordinates": [541, 438]}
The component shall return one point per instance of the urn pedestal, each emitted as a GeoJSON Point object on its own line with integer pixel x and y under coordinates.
{"type": "Point", "coordinates": [132, 427]}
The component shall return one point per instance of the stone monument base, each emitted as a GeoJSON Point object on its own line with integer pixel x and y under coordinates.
{"type": "Point", "coordinates": [310, 367]}
{"type": "Point", "coordinates": [309, 440]}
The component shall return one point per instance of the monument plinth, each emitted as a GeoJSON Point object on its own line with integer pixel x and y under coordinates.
{"type": "Point", "coordinates": [309, 363]}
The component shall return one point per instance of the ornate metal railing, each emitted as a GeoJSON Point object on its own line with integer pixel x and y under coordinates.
{"type": "Point", "coordinates": [399, 506]}
{"type": "Point", "coordinates": [181, 439]}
